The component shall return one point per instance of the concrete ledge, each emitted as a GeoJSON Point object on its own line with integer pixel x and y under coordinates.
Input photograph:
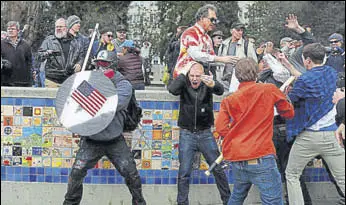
{"type": "Point", "coordinates": [13, 193]}
{"type": "Point", "coordinates": [141, 95]}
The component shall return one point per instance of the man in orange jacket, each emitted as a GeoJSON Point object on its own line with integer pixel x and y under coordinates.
{"type": "Point", "coordinates": [248, 138]}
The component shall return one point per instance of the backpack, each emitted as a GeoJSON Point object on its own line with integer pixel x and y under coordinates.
{"type": "Point", "coordinates": [133, 114]}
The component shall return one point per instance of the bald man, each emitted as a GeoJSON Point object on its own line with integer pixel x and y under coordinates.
{"type": "Point", "coordinates": [196, 117]}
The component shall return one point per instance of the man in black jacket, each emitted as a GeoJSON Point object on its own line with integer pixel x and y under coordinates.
{"type": "Point", "coordinates": [18, 52]}
{"type": "Point", "coordinates": [195, 120]}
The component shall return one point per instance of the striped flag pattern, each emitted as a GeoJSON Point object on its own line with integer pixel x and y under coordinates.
{"type": "Point", "coordinates": [90, 99]}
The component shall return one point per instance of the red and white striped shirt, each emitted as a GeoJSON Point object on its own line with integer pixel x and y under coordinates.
{"type": "Point", "coordinates": [195, 45]}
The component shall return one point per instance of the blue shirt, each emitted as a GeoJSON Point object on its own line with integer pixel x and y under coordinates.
{"type": "Point", "coordinates": [311, 96]}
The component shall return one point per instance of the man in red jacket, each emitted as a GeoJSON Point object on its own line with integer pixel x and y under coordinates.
{"type": "Point", "coordinates": [248, 137]}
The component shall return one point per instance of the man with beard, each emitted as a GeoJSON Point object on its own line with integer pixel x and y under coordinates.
{"type": "Point", "coordinates": [60, 55]}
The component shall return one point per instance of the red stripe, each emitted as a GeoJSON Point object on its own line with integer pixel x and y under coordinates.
{"type": "Point", "coordinates": [96, 98]}
{"type": "Point", "coordinates": [83, 104]}
{"type": "Point", "coordinates": [94, 102]}
{"type": "Point", "coordinates": [87, 101]}
{"type": "Point", "coordinates": [80, 103]}
{"type": "Point", "coordinates": [101, 96]}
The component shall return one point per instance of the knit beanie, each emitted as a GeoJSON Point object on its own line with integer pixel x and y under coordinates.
{"type": "Point", "coordinates": [71, 20]}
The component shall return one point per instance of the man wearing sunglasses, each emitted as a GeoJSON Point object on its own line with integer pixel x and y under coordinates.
{"type": "Point", "coordinates": [336, 58]}
{"type": "Point", "coordinates": [196, 44]}
{"type": "Point", "coordinates": [105, 42]}
{"type": "Point", "coordinates": [121, 37]}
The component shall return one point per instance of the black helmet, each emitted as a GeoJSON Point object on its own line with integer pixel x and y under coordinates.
{"type": "Point", "coordinates": [107, 56]}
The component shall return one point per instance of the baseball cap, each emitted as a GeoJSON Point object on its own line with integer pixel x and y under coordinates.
{"type": "Point", "coordinates": [285, 39]}
{"type": "Point", "coordinates": [336, 36]}
{"type": "Point", "coordinates": [238, 25]}
{"type": "Point", "coordinates": [217, 33]}
{"type": "Point", "coordinates": [121, 27]}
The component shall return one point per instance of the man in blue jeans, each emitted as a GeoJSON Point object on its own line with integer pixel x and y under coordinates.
{"type": "Point", "coordinates": [248, 137]}
{"type": "Point", "coordinates": [195, 119]}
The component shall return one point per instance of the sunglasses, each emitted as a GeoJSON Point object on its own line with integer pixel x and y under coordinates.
{"type": "Point", "coordinates": [214, 20]}
{"type": "Point", "coordinates": [219, 38]}
{"type": "Point", "coordinates": [334, 42]}
{"type": "Point", "coordinates": [110, 36]}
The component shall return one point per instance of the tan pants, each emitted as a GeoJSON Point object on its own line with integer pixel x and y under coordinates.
{"type": "Point", "coordinates": [51, 84]}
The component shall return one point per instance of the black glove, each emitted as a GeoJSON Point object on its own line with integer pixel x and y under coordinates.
{"type": "Point", "coordinates": [6, 64]}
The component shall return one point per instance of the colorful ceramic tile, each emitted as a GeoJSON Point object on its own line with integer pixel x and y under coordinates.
{"type": "Point", "coordinates": [156, 164]}
{"type": "Point", "coordinates": [16, 151]}
{"type": "Point", "coordinates": [56, 152]}
{"type": "Point", "coordinates": [18, 110]}
{"type": "Point", "coordinates": [7, 150]}
{"type": "Point", "coordinates": [32, 136]}
{"type": "Point", "coordinates": [167, 154]}
{"type": "Point", "coordinates": [166, 145]}
{"type": "Point", "coordinates": [175, 114]}
{"type": "Point", "coordinates": [8, 120]}
{"type": "Point", "coordinates": [27, 121]}
{"type": "Point", "coordinates": [17, 161]}
{"type": "Point", "coordinates": [38, 111]}
{"type": "Point", "coordinates": [135, 144]}
{"type": "Point", "coordinates": [18, 120]}
{"type": "Point", "coordinates": [156, 144]}
{"type": "Point", "coordinates": [166, 164]}
{"type": "Point", "coordinates": [47, 161]}
{"type": "Point", "coordinates": [67, 162]}
{"type": "Point", "coordinates": [157, 115]}
{"type": "Point", "coordinates": [146, 164]}
{"type": "Point", "coordinates": [146, 144]}
{"type": "Point", "coordinates": [7, 110]}
{"type": "Point", "coordinates": [47, 141]}
{"type": "Point", "coordinates": [147, 114]}
{"type": "Point", "coordinates": [156, 154]}
{"type": "Point", "coordinates": [6, 161]}
{"type": "Point", "coordinates": [146, 121]}
{"type": "Point", "coordinates": [37, 121]}
{"type": "Point", "coordinates": [27, 161]}
{"type": "Point", "coordinates": [166, 134]}
{"type": "Point", "coordinates": [175, 133]}
{"type": "Point", "coordinates": [146, 154]}
{"type": "Point", "coordinates": [175, 165]}
{"type": "Point", "coordinates": [175, 154]}
{"type": "Point", "coordinates": [7, 140]}
{"type": "Point", "coordinates": [17, 131]}
{"type": "Point", "coordinates": [157, 134]}
{"type": "Point", "coordinates": [46, 151]}
{"type": "Point", "coordinates": [8, 130]}
{"type": "Point", "coordinates": [48, 111]}
{"type": "Point", "coordinates": [157, 124]}
{"type": "Point", "coordinates": [148, 135]}
{"type": "Point", "coordinates": [66, 152]}
{"type": "Point", "coordinates": [37, 151]}
{"type": "Point", "coordinates": [167, 114]}
{"type": "Point", "coordinates": [26, 151]}
{"type": "Point", "coordinates": [47, 132]}
{"type": "Point", "coordinates": [27, 111]}
{"type": "Point", "coordinates": [37, 161]}
{"type": "Point", "coordinates": [56, 162]}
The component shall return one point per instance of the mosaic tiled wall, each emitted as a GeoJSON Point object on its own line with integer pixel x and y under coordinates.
{"type": "Point", "coordinates": [35, 148]}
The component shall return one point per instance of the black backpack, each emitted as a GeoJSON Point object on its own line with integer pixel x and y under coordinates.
{"type": "Point", "coordinates": [133, 114]}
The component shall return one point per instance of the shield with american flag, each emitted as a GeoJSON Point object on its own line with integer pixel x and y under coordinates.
{"type": "Point", "coordinates": [86, 102]}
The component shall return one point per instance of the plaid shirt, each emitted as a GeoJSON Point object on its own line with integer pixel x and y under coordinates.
{"type": "Point", "coordinates": [311, 96]}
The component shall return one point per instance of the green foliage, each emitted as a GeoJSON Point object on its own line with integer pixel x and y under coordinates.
{"type": "Point", "coordinates": [267, 19]}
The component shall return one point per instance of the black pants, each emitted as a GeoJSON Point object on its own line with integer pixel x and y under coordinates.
{"type": "Point", "coordinates": [88, 155]}
{"type": "Point", "coordinates": [283, 149]}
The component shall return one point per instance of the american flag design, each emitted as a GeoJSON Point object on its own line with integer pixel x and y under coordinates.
{"type": "Point", "coordinates": [90, 99]}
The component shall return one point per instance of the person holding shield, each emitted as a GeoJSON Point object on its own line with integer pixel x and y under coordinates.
{"type": "Point", "coordinates": [109, 142]}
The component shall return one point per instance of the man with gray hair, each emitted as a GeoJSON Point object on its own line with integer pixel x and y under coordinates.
{"type": "Point", "coordinates": [196, 44]}
{"type": "Point", "coordinates": [59, 55]}
{"type": "Point", "coordinates": [18, 52]}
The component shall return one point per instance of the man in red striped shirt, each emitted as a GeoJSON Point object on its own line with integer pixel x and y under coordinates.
{"type": "Point", "coordinates": [248, 137]}
{"type": "Point", "coordinates": [196, 44]}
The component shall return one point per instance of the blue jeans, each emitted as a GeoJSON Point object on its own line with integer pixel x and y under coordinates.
{"type": "Point", "coordinates": [204, 142]}
{"type": "Point", "coordinates": [265, 175]}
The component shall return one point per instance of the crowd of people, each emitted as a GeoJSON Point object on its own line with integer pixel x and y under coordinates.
{"type": "Point", "coordinates": [271, 127]}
